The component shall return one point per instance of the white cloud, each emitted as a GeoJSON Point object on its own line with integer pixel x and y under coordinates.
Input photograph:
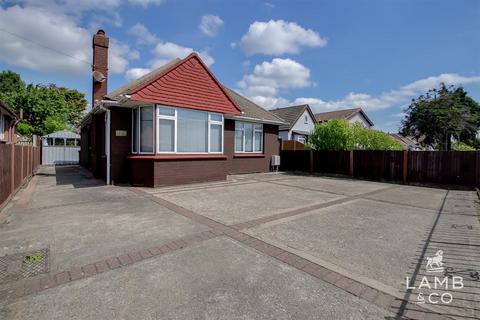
{"type": "Point", "coordinates": [143, 35]}
{"type": "Point", "coordinates": [167, 51]}
{"type": "Point", "coordinates": [277, 37]}
{"type": "Point", "coordinates": [57, 31]}
{"type": "Point", "coordinates": [210, 24]}
{"type": "Point", "coordinates": [146, 3]}
{"type": "Point", "coordinates": [135, 73]}
{"type": "Point", "coordinates": [268, 77]}
{"type": "Point", "coordinates": [397, 97]}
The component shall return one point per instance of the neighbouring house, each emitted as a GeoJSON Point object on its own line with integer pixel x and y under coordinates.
{"type": "Point", "coordinates": [299, 122]}
{"type": "Point", "coordinates": [8, 124]}
{"type": "Point", "coordinates": [408, 143]}
{"type": "Point", "coordinates": [356, 115]}
{"type": "Point", "coordinates": [177, 124]}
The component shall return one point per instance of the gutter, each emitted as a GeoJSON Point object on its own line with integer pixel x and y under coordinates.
{"type": "Point", "coordinates": [254, 119]}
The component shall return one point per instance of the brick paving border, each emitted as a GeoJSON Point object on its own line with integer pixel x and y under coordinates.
{"type": "Point", "coordinates": [386, 301]}
{"type": "Point", "coordinates": [294, 212]}
{"type": "Point", "coordinates": [26, 287]}
{"type": "Point", "coordinates": [358, 289]}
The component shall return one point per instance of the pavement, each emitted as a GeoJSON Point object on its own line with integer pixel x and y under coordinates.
{"type": "Point", "coordinates": [257, 246]}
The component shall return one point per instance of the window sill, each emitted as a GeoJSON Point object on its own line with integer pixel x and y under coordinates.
{"type": "Point", "coordinates": [249, 155]}
{"type": "Point", "coordinates": [178, 156]}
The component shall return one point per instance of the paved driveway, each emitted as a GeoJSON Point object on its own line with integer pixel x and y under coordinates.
{"type": "Point", "coordinates": [261, 246]}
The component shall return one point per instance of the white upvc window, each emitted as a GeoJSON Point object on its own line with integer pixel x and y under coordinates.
{"type": "Point", "coordinates": [187, 131]}
{"type": "Point", "coordinates": [143, 131]}
{"type": "Point", "coordinates": [164, 129]}
{"type": "Point", "coordinates": [2, 127]}
{"type": "Point", "coordinates": [248, 137]}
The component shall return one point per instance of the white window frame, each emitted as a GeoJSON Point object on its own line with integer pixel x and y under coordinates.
{"type": "Point", "coordinates": [138, 111]}
{"type": "Point", "coordinates": [253, 138]}
{"type": "Point", "coordinates": [134, 110]}
{"type": "Point", "coordinates": [165, 117]}
{"type": "Point", "coordinates": [175, 119]}
{"type": "Point", "coordinates": [218, 123]}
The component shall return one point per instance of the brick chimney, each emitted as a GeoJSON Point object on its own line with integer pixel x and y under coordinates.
{"type": "Point", "coordinates": [100, 66]}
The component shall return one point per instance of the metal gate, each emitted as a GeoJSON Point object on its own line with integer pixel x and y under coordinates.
{"type": "Point", "coordinates": [61, 147]}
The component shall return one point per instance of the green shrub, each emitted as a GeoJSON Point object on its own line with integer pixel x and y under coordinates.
{"type": "Point", "coordinates": [340, 134]}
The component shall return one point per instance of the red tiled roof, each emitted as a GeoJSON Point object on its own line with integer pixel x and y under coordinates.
{"type": "Point", "coordinates": [188, 83]}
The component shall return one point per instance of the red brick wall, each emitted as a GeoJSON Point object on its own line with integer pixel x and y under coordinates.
{"type": "Point", "coordinates": [121, 120]}
{"type": "Point", "coordinates": [160, 172]}
{"type": "Point", "coordinates": [271, 145]}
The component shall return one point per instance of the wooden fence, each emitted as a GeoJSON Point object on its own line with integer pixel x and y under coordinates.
{"type": "Point", "coordinates": [461, 168]}
{"type": "Point", "coordinates": [291, 145]}
{"type": "Point", "coordinates": [17, 165]}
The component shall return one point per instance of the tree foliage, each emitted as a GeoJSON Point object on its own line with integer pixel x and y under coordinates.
{"type": "Point", "coordinates": [460, 146]}
{"type": "Point", "coordinates": [340, 134]}
{"type": "Point", "coordinates": [437, 116]}
{"type": "Point", "coordinates": [46, 108]}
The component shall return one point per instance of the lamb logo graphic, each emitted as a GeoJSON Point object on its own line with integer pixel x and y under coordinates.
{"type": "Point", "coordinates": [435, 264]}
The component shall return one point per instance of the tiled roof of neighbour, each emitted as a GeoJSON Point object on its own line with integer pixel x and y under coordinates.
{"type": "Point", "coordinates": [404, 140]}
{"type": "Point", "coordinates": [251, 109]}
{"type": "Point", "coordinates": [291, 115]}
{"type": "Point", "coordinates": [341, 114]}
{"type": "Point", "coordinates": [8, 109]}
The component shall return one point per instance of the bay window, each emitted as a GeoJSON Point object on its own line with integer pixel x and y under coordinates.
{"type": "Point", "coordinates": [176, 130]}
{"type": "Point", "coordinates": [248, 137]}
{"type": "Point", "coordinates": [142, 129]}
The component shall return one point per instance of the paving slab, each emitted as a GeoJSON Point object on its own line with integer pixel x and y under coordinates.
{"type": "Point", "coordinates": [238, 203]}
{"type": "Point", "coordinates": [218, 279]}
{"type": "Point", "coordinates": [83, 226]}
{"type": "Point", "coordinates": [429, 198]}
{"type": "Point", "coordinates": [335, 185]}
{"type": "Point", "coordinates": [371, 239]}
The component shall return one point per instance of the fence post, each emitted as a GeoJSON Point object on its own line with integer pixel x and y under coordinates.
{"type": "Point", "coordinates": [405, 165]}
{"type": "Point", "coordinates": [477, 169]}
{"type": "Point", "coordinates": [311, 161]}
{"type": "Point", "coordinates": [351, 163]}
{"type": "Point", "coordinates": [12, 169]}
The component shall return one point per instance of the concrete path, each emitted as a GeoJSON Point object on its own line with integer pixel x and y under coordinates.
{"type": "Point", "coordinates": [264, 246]}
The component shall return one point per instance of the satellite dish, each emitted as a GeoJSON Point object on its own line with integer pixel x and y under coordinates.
{"type": "Point", "coordinates": [98, 76]}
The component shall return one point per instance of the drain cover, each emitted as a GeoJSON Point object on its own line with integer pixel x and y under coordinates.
{"type": "Point", "coordinates": [17, 266]}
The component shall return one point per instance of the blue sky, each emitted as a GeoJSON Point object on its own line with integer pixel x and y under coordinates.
{"type": "Point", "coordinates": [375, 54]}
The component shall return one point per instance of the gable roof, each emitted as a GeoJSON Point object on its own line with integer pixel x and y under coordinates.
{"type": "Point", "coordinates": [139, 82]}
{"type": "Point", "coordinates": [341, 114]}
{"type": "Point", "coordinates": [182, 83]}
{"type": "Point", "coordinates": [291, 115]}
{"type": "Point", "coordinates": [245, 107]}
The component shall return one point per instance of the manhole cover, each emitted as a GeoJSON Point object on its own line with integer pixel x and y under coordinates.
{"type": "Point", "coordinates": [16, 266]}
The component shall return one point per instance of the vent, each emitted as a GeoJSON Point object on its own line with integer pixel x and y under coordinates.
{"type": "Point", "coordinates": [17, 266]}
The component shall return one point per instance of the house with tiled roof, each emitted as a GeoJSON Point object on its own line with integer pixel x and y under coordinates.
{"type": "Point", "coordinates": [356, 115]}
{"type": "Point", "coordinates": [177, 124]}
{"type": "Point", "coordinates": [299, 122]}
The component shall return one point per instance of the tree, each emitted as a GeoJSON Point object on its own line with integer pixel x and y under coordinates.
{"type": "Point", "coordinates": [11, 82]}
{"type": "Point", "coordinates": [332, 135]}
{"type": "Point", "coordinates": [437, 116]}
{"type": "Point", "coordinates": [46, 108]}
{"type": "Point", "coordinates": [340, 134]}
